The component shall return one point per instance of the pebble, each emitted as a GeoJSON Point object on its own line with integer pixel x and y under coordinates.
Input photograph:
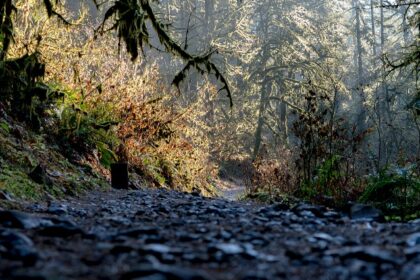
{"type": "Point", "coordinates": [158, 234]}
{"type": "Point", "coordinates": [363, 212]}
{"type": "Point", "coordinates": [15, 219]}
{"type": "Point", "coordinates": [413, 239]}
{"type": "Point", "coordinates": [17, 246]}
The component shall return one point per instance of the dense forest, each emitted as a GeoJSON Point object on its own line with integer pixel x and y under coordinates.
{"type": "Point", "coordinates": [311, 99]}
{"type": "Point", "coordinates": [209, 139]}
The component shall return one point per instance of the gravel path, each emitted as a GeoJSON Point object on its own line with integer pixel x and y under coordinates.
{"type": "Point", "coordinates": [231, 189]}
{"type": "Point", "coordinates": [157, 235]}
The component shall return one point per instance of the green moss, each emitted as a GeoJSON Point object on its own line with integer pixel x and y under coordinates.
{"type": "Point", "coordinates": [18, 160]}
{"type": "Point", "coordinates": [4, 128]}
{"type": "Point", "coordinates": [20, 185]}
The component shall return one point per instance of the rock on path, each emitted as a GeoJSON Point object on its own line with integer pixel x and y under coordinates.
{"type": "Point", "coordinates": [167, 235]}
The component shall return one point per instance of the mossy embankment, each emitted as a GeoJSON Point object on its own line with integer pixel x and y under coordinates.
{"type": "Point", "coordinates": [23, 153]}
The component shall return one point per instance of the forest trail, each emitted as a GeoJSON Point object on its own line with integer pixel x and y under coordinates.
{"type": "Point", "coordinates": [159, 234]}
{"type": "Point", "coordinates": [231, 189]}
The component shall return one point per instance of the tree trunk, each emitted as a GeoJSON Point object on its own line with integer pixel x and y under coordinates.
{"type": "Point", "coordinates": [385, 106]}
{"type": "Point", "coordinates": [260, 124]}
{"type": "Point", "coordinates": [372, 15]}
{"type": "Point", "coordinates": [209, 18]}
{"type": "Point", "coordinates": [208, 29]}
{"type": "Point", "coordinates": [361, 112]}
{"type": "Point", "coordinates": [406, 27]}
{"type": "Point", "coordinates": [283, 121]}
{"type": "Point", "coordinates": [359, 44]}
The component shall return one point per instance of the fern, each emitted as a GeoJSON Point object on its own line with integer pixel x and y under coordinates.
{"type": "Point", "coordinates": [396, 193]}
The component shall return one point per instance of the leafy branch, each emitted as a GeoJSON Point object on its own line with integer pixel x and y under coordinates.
{"type": "Point", "coordinates": [6, 25]}
{"type": "Point", "coordinates": [7, 9]}
{"type": "Point", "coordinates": [131, 17]}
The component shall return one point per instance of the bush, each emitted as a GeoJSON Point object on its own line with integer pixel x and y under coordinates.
{"type": "Point", "coordinates": [331, 185]}
{"type": "Point", "coordinates": [83, 128]}
{"type": "Point", "coordinates": [395, 191]}
{"type": "Point", "coordinates": [22, 89]}
{"type": "Point", "coordinates": [274, 177]}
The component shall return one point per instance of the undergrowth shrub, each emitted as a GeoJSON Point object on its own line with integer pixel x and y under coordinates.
{"type": "Point", "coordinates": [322, 162]}
{"type": "Point", "coordinates": [157, 137]}
{"type": "Point", "coordinates": [85, 128]}
{"type": "Point", "coordinates": [23, 91]}
{"type": "Point", "coordinates": [395, 191]}
{"type": "Point", "coordinates": [331, 185]}
{"type": "Point", "coordinates": [274, 177]}
{"type": "Point", "coordinates": [329, 151]}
